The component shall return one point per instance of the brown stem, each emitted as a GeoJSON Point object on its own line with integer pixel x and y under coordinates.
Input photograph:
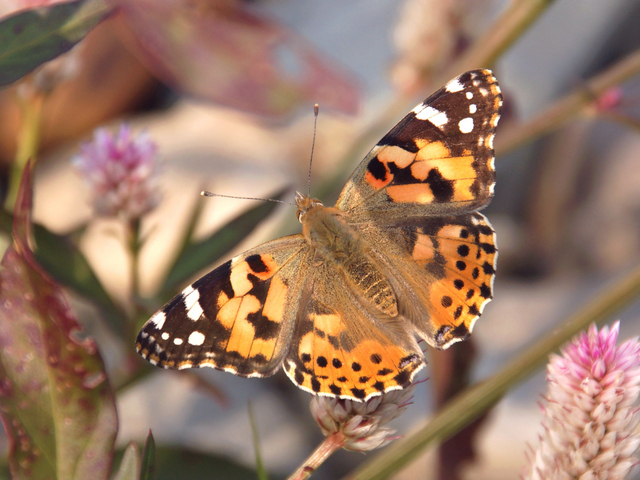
{"type": "Point", "coordinates": [569, 106]}
{"type": "Point", "coordinates": [331, 444]}
{"type": "Point", "coordinates": [497, 39]}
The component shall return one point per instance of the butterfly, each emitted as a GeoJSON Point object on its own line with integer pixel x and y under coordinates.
{"type": "Point", "coordinates": [404, 253]}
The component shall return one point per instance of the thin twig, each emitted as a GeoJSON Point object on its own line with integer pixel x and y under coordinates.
{"type": "Point", "coordinates": [568, 107]}
{"type": "Point", "coordinates": [328, 447]}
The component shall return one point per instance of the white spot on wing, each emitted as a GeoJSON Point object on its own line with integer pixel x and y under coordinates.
{"type": "Point", "coordinates": [432, 115]}
{"type": "Point", "coordinates": [178, 341]}
{"type": "Point", "coordinates": [165, 336]}
{"type": "Point", "coordinates": [473, 108]}
{"type": "Point", "coordinates": [453, 86]}
{"type": "Point", "coordinates": [158, 320]}
{"type": "Point", "coordinates": [466, 125]}
{"type": "Point", "coordinates": [196, 338]}
{"type": "Point", "coordinates": [187, 291]}
{"type": "Point", "coordinates": [469, 95]}
{"type": "Point", "coordinates": [190, 299]}
{"type": "Point", "coordinates": [195, 312]}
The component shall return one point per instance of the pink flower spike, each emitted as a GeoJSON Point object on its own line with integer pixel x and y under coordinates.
{"type": "Point", "coordinates": [121, 171]}
{"type": "Point", "coordinates": [589, 424]}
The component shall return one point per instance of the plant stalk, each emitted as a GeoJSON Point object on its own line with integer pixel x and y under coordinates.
{"type": "Point", "coordinates": [28, 142]}
{"type": "Point", "coordinates": [328, 447]}
{"type": "Point", "coordinates": [568, 107]}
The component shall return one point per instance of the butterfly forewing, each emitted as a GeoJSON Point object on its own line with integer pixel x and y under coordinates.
{"type": "Point", "coordinates": [236, 318]}
{"type": "Point", "coordinates": [438, 160]}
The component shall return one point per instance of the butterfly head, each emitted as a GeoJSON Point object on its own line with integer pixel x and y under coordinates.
{"type": "Point", "coordinates": [305, 204]}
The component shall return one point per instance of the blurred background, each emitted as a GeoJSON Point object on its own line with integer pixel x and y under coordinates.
{"type": "Point", "coordinates": [230, 108]}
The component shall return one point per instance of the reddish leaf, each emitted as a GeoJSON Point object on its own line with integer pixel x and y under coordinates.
{"type": "Point", "coordinates": [55, 400]}
{"type": "Point", "coordinates": [224, 53]}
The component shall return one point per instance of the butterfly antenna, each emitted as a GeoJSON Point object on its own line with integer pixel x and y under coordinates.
{"type": "Point", "coordinates": [316, 109]}
{"type": "Point", "coordinates": [206, 193]}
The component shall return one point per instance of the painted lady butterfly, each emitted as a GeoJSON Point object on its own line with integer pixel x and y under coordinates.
{"type": "Point", "coordinates": [403, 253]}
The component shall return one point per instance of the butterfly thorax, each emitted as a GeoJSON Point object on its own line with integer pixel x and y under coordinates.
{"type": "Point", "coordinates": [340, 246]}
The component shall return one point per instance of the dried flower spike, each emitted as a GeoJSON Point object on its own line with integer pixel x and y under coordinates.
{"type": "Point", "coordinates": [356, 426]}
{"type": "Point", "coordinates": [360, 425]}
{"type": "Point", "coordinates": [121, 170]}
{"type": "Point", "coordinates": [589, 413]}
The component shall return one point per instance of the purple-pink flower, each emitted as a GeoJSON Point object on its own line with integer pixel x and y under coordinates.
{"type": "Point", "coordinates": [590, 417]}
{"type": "Point", "coordinates": [121, 170]}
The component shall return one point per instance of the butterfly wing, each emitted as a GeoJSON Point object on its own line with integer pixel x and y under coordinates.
{"type": "Point", "coordinates": [438, 160]}
{"type": "Point", "coordinates": [413, 198]}
{"type": "Point", "coordinates": [344, 348]}
{"type": "Point", "coordinates": [442, 270]}
{"type": "Point", "coordinates": [238, 318]}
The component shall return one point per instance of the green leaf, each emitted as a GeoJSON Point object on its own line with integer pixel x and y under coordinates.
{"type": "Point", "coordinates": [262, 473]}
{"type": "Point", "coordinates": [57, 406]}
{"type": "Point", "coordinates": [148, 471]}
{"type": "Point", "coordinates": [130, 465]}
{"type": "Point", "coordinates": [179, 463]}
{"type": "Point", "coordinates": [197, 255]}
{"type": "Point", "coordinates": [32, 37]}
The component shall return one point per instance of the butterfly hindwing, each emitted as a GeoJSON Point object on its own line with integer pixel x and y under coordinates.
{"type": "Point", "coordinates": [238, 318]}
{"type": "Point", "coordinates": [344, 348]}
{"type": "Point", "coordinates": [438, 160]}
{"type": "Point", "coordinates": [457, 259]}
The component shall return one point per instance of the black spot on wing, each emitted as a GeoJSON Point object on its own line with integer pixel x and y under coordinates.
{"type": "Point", "coordinates": [256, 264]}
{"type": "Point", "coordinates": [485, 291]}
{"type": "Point", "coordinates": [488, 268]}
{"type": "Point", "coordinates": [403, 378]}
{"type": "Point", "coordinates": [377, 169]}
{"type": "Point", "coordinates": [214, 282]}
{"type": "Point", "coordinates": [336, 390]}
{"type": "Point", "coordinates": [441, 187]}
{"type": "Point", "coordinates": [264, 328]}
{"type": "Point", "coordinates": [315, 384]}
{"type": "Point", "coordinates": [358, 393]}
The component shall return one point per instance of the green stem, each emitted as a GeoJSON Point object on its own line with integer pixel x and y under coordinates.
{"type": "Point", "coordinates": [134, 244]}
{"type": "Point", "coordinates": [28, 143]}
{"type": "Point", "coordinates": [568, 107]}
{"type": "Point", "coordinates": [470, 404]}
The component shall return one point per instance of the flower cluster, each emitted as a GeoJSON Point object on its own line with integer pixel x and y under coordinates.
{"type": "Point", "coordinates": [360, 425]}
{"type": "Point", "coordinates": [589, 413]}
{"type": "Point", "coordinates": [121, 171]}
